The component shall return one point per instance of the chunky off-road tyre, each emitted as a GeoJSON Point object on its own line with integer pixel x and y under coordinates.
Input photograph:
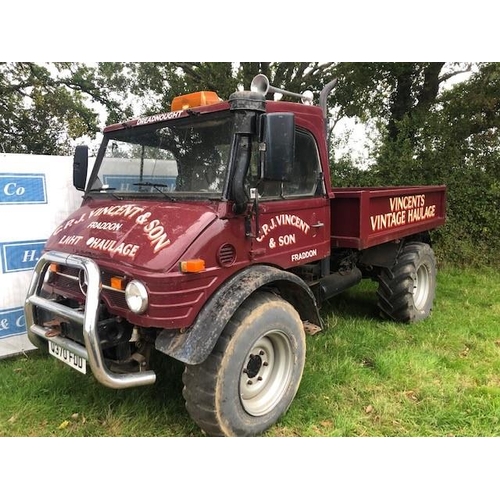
{"type": "Point", "coordinates": [406, 292]}
{"type": "Point", "coordinates": [251, 377]}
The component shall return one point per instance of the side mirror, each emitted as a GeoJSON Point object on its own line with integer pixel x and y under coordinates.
{"type": "Point", "coordinates": [277, 132]}
{"type": "Point", "coordinates": [80, 166]}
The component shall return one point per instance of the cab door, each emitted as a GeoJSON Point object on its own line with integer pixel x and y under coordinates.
{"type": "Point", "coordinates": [292, 226]}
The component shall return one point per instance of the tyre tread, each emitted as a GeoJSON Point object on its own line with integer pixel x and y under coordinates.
{"type": "Point", "coordinates": [395, 294]}
{"type": "Point", "coordinates": [200, 381]}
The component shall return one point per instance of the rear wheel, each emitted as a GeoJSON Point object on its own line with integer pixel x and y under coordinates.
{"type": "Point", "coordinates": [251, 377]}
{"type": "Point", "coordinates": [406, 291]}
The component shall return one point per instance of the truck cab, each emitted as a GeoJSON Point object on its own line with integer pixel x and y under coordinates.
{"type": "Point", "coordinates": [207, 233]}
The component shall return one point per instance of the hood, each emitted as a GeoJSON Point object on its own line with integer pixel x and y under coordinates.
{"type": "Point", "coordinates": [150, 235]}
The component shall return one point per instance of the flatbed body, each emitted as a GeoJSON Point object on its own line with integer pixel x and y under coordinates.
{"type": "Point", "coordinates": [363, 217]}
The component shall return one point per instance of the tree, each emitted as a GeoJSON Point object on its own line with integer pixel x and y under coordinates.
{"type": "Point", "coordinates": [460, 147]}
{"type": "Point", "coordinates": [44, 107]}
{"type": "Point", "coordinates": [431, 133]}
{"type": "Point", "coordinates": [158, 83]}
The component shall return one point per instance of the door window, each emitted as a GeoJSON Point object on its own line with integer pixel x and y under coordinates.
{"type": "Point", "coordinates": [305, 173]}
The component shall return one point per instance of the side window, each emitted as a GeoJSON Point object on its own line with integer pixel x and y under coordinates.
{"type": "Point", "coordinates": [305, 172]}
{"type": "Point", "coordinates": [305, 167]}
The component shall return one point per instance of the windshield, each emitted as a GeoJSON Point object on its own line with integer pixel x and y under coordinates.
{"type": "Point", "coordinates": [184, 157]}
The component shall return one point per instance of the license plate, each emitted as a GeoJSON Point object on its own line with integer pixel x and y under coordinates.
{"type": "Point", "coordinates": [73, 360]}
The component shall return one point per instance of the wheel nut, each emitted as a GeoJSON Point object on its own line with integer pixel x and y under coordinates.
{"type": "Point", "coordinates": [265, 363]}
{"type": "Point", "coordinates": [261, 353]}
{"type": "Point", "coordinates": [249, 382]}
{"type": "Point", "coordinates": [259, 379]}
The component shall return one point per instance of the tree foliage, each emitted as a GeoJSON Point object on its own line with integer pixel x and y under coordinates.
{"type": "Point", "coordinates": [435, 135]}
{"type": "Point", "coordinates": [157, 83]}
{"type": "Point", "coordinates": [44, 107]}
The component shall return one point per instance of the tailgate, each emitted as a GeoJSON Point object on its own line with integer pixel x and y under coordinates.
{"type": "Point", "coordinates": [365, 217]}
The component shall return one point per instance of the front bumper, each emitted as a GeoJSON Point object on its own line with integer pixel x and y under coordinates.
{"type": "Point", "coordinates": [87, 318]}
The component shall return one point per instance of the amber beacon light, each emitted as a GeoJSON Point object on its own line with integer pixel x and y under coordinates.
{"type": "Point", "coordinates": [203, 98]}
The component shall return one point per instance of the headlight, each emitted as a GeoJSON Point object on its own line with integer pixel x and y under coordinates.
{"type": "Point", "coordinates": [136, 296]}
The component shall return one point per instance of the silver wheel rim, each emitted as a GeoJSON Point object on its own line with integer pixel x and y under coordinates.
{"type": "Point", "coordinates": [266, 373]}
{"type": "Point", "coordinates": [421, 287]}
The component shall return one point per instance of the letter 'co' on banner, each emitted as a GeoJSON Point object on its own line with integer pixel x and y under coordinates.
{"type": "Point", "coordinates": [20, 189]}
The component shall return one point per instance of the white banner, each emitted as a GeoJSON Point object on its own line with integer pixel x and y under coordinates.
{"type": "Point", "coordinates": [36, 195]}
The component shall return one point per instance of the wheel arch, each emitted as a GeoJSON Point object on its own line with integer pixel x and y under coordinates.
{"type": "Point", "coordinates": [197, 342]}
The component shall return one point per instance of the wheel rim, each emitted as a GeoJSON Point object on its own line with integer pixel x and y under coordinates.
{"type": "Point", "coordinates": [266, 373]}
{"type": "Point", "coordinates": [421, 287]}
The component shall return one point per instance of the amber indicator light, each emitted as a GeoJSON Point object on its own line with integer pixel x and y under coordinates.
{"type": "Point", "coordinates": [117, 282]}
{"type": "Point", "coordinates": [192, 266]}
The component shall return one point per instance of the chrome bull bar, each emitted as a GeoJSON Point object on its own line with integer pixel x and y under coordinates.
{"type": "Point", "coordinates": [88, 319]}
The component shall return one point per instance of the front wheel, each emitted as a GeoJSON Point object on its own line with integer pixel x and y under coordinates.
{"type": "Point", "coordinates": [251, 377]}
{"type": "Point", "coordinates": [406, 291]}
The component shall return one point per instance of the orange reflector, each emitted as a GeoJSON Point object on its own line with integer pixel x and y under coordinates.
{"type": "Point", "coordinates": [54, 268]}
{"type": "Point", "coordinates": [192, 266]}
{"type": "Point", "coordinates": [117, 282]}
{"type": "Point", "coordinates": [194, 100]}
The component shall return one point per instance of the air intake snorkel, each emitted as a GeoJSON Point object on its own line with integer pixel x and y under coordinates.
{"type": "Point", "coordinates": [246, 106]}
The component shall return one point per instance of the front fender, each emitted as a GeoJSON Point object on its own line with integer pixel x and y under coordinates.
{"type": "Point", "coordinates": [195, 344]}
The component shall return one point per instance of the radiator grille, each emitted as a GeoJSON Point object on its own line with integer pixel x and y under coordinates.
{"type": "Point", "coordinates": [65, 281]}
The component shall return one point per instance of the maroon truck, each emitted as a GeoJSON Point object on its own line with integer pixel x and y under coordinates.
{"type": "Point", "coordinates": [212, 234]}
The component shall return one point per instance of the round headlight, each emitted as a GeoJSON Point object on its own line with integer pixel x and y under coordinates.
{"type": "Point", "coordinates": [136, 296]}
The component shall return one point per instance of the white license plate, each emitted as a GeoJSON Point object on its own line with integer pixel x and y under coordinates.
{"type": "Point", "coordinates": [73, 360]}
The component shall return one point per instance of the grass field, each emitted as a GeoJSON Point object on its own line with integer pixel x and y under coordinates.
{"type": "Point", "coordinates": [364, 377]}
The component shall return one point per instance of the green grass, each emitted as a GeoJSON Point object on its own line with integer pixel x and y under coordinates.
{"type": "Point", "coordinates": [364, 377]}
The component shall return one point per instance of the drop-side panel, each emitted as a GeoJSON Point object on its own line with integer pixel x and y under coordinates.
{"type": "Point", "coordinates": [365, 217]}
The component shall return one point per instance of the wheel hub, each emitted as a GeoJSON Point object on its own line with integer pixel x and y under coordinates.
{"type": "Point", "coordinates": [254, 365]}
{"type": "Point", "coordinates": [421, 287]}
{"type": "Point", "coordinates": [266, 373]}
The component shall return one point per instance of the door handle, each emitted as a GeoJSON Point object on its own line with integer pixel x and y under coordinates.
{"type": "Point", "coordinates": [318, 224]}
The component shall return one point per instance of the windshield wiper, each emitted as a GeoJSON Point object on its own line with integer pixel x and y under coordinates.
{"type": "Point", "coordinates": [105, 189]}
{"type": "Point", "coordinates": [157, 186]}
